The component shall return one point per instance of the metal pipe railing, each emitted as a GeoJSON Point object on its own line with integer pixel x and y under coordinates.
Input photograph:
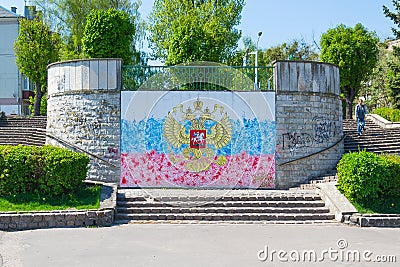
{"type": "Point", "coordinates": [197, 78]}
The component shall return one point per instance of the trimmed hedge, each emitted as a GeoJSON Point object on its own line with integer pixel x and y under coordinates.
{"type": "Point", "coordinates": [364, 177]}
{"type": "Point", "coordinates": [389, 114]}
{"type": "Point", "coordinates": [43, 170]}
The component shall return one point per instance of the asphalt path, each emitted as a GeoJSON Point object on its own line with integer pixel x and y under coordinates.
{"type": "Point", "coordinates": [203, 245]}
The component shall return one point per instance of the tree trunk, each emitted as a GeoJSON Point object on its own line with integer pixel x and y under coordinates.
{"type": "Point", "coordinates": [38, 100]}
{"type": "Point", "coordinates": [350, 95]}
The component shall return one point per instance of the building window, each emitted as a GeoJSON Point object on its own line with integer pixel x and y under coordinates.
{"type": "Point", "coordinates": [27, 85]}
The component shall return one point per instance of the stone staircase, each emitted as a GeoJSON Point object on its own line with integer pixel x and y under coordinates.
{"type": "Point", "coordinates": [216, 206]}
{"type": "Point", "coordinates": [311, 185]}
{"type": "Point", "coordinates": [23, 131]}
{"type": "Point", "coordinates": [374, 139]}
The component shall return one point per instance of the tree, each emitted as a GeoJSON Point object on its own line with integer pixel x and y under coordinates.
{"type": "Point", "coordinates": [376, 88]}
{"type": "Point", "coordinates": [109, 34]}
{"type": "Point", "coordinates": [236, 59]}
{"type": "Point", "coordinates": [68, 17]}
{"type": "Point", "coordinates": [182, 31]}
{"type": "Point", "coordinates": [393, 74]}
{"type": "Point", "coordinates": [355, 51]}
{"type": "Point", "coordinates": [35, 48]}
{"type": "Point", "coordinates": [294, 50]}
{"type": "Point", "coordinates": [394, 16]}
{"type": "Point", "coordinates": [393, 81]}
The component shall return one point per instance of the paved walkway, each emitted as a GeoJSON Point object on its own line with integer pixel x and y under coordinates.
{"type": "Point", "coordinates": [199, 245]}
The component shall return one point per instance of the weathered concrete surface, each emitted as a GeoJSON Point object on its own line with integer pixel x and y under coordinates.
{"type": "Point", "coordinates": [373, 220]}
{"type": "Point", "coordinates": [335, 201]}
{"type": "Point", "coordinates": [383, 123]}
{"type": "Point", "coordinates": [308, 120]}
{"type": "Point", "coordinates": [191, 245]}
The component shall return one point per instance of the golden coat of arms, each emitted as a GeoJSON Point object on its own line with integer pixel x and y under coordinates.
{"type": "Point", "coordinates": [199, 133]}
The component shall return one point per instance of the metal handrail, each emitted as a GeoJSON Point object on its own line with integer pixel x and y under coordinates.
{"type": "Point", "coordinates": [197, 77]}
{"type": "Point", "coordinates": [313, 154]}
{"type": "Point", "coordinates": [82, 150]}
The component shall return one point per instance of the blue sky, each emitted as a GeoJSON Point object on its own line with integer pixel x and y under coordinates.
{"type": "Point", "coordinates": [282, 21]}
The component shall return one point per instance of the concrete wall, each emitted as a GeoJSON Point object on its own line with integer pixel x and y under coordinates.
{"type": "Point", "coordinates": [84, 112]}
{"type": "Point", "coordinates": [308, 120]}
{"type": "Point", "coordinates": [84, 109]}
{"type": "Point", "coordinates": [173, 139]}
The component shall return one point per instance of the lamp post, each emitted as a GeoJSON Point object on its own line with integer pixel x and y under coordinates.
{"type": "Point", "coordinates": [256, 87]}
{"type": "Point", "coordinates": [256, 61]}
{"type": "Point", "coordinates": [255, 53]}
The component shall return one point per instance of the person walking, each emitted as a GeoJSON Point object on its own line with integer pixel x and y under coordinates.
{"type": "Point", "coordinates": [361, 112]}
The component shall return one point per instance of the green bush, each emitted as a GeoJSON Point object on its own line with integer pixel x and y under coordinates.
{"type": "Point", "coordinates": [64, 170]}
{"type": "Point", "coordinates": [40, 170]}
{"type": "Point", "coordinates": [366, 177]}
{"type": "Point", "coordinates": [393, 184]}
{"type": "Point", "coordinates": [18, 169]}
{"type": "Point", "coordinates": [389, 114]}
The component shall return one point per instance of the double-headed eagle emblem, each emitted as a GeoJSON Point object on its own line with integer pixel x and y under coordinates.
{"type": "Point", "coordinates": [199, 134]}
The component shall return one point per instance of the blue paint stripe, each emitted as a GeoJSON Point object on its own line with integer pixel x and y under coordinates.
{"type": "Point", "coordinates": [248, 135]}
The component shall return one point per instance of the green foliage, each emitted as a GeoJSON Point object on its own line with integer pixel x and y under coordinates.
{"type": "Point", "coordinates": [85, 197]}
{"type": "Point", "coordinates": [389, 114]}
{"type": "Point", "coordinates": [43, 105]}
{"type": "Point", "coordinates": [294, 50]}
{"type": "Point", "coordinates": [394, 16]}
{"type": "Point", "coordinates": [109, 34]}
{"type": "Point", "coordinates": [64, 170]}
{"type": "Point", "coordinates": [19, 169]}
{"type": "Point", "coordinates": [376, 87]}
{"type": "Point", "coordinates": [35, 48]}
{"type": "Point", "coordinates": [365, 177]}
{"type": "Point", "coordinates": [68, 17]}
{"type": "Point", "coordinates": [389, 205]}
{"type": "Point", "coordinates": [183, 31]}
{"type": "Point", "coordinates": [40, 170]}
{"type": "Point", "coordinates": [392, 185]}
{"type": "Point", "coordinates": [297, 49]}
{"type": "Point", "coordinates": [393, 81]}
{"type": "Point", "coordinates": [355, 51]}
{"type": "Point", "coordinates": [393, 75]}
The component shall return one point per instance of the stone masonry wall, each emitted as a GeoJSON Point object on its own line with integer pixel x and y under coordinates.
{"type": "Point", "coordinates": [84, 114]}
{"type": "Point", "coordinates": [83, 110]}
{"type": "Point", "coordinates": [308, 120]}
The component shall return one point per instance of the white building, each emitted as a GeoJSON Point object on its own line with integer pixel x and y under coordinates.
{"type": "Point", "coordinates": [14, 87]}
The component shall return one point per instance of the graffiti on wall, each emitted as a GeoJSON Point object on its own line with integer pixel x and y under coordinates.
{"type": "Point", "coordinates": [324, 129]}
{"type": "Point", "coordinates": [295, 141]}
{"type": "Point", "coordinates": [323, 132]}
{"type": "Point", "coordinates": [197, 139]}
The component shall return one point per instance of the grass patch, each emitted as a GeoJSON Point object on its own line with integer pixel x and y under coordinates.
{"type": "Point", "coordinates": [383, 206]}
{"type": "Point", "coordinates": [86, 197]}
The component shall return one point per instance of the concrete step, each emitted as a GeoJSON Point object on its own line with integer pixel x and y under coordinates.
{"type": "Point", "coordinates": [375, 139]}
{"type": "Point", "coordinates": [22, 136]}
{"type": "Point", "coordinates": [34, 122]}
{"type": "Point", "coordinates": [174, 206]}
{"type": "Point", "coordinates": [224, 217]}
{"type": "Point", "coordinates": [227, 204]}
{"type": "Point", "coordinates": [274, 222]}
{"type": "Point", "coordinates": [167, 199]}
{"type": "Point", "coordinates": [221, 210]}
{"type": "Point", "coordinates": [311, 184]}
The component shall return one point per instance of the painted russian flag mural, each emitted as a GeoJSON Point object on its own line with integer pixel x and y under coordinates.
{"type": "Point", "coordinates": [189, 139]}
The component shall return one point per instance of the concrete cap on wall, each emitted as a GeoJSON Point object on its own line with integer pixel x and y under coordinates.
{"type": "Point", "coordinates": [86, 74]}
{"type": "Point", "coordinates": [307, 76]}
